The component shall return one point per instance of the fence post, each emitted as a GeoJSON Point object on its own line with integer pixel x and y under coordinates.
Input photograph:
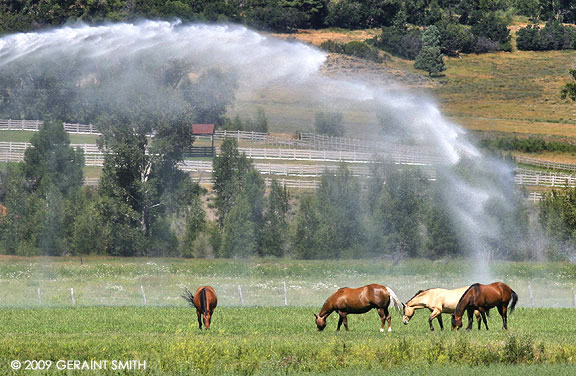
{"type": "Point", "coordinates": [39, 296]}
{"type": "Point", "coordinates": [72, 294]}
{"type": "Point", "coordinates": [143, 294]}
{"type": "Point", "coordinates": [531, 295]}
{"type": "Point", "coordinates": [240, 293]}
{"type": "Point", "coordinates": [285, 294]}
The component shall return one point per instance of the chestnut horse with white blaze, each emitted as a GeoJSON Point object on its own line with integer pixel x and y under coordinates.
{"type": "Point", "coordinates": [438, 301]}
{"type": "Point", "coordinates": [360, 300]}
{"type": "Point", "coordinates": [483, 297]}
{"type": "Point", "coordinates": [205, 301]}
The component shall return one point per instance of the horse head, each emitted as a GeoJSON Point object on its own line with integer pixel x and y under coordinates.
{"type": "Point", "coordinates": [408, 313]}
{"type": "Point", "coordinates": [456, 322]}
{"type": "Point", "coordinates": [207, 318]}
{"type": "Point", "coordinates": [320, 322]}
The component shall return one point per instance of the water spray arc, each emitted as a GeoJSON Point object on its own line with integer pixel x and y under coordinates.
{"type": "Point", "coordinates": [477, 190]}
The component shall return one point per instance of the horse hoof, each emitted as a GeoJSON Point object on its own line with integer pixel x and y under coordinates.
{"type": "Point", "coordinates": [389, 329]}
{"type": "Point", "coordinates": [381, 330]}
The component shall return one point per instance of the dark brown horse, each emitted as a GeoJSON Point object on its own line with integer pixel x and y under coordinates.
{"type": "Point", "coordinates": [205, 301]}
{"type": "Point", "coordinates": [482, 298]}
{"type": "Point", "coordinates": [360, 300]}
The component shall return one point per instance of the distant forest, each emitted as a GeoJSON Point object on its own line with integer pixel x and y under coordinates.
{"type": "Point", "coordinates": [280, 15]}
{"type": "Point", "coordinates": [460, 26]}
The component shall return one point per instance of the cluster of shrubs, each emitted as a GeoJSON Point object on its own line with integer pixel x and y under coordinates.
{"type": "Point", "coordinates": [527, 145]}
{"type": "Point", "coordinates": [355, 48]}
{"type": "Point", "coordinates": [553, 36]}
{"type": "Point", "coordinates": [405, 43]}
{"type": "Point", "coordinates": [489, 34]}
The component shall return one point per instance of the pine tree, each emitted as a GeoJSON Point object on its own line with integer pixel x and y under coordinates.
{"type": "Point", "coordinates": [230, 168]}
{"type": "Point", "coordinates": [307, 224]}
{"type": "Point", "coordinates": [430, 56]}
{"type": "Point", "coordinates": [238, 235]}
{"type": "Point", "coordinates": [261, 122]}
{"type": "Point", "coordinates": [275, 221]}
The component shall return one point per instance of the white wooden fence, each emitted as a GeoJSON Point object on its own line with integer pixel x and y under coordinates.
{"type": "Point", "coordinates": [34, 126]}
{"type": "Point", "coordinates": [546, 164]}
{"type": "Point", "coordinates": [544, 179]}
{"type": "Point", "coordinates": [14, 151]}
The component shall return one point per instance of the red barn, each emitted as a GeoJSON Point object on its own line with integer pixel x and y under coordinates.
{"type": "Point", "coordinates": [203, 130]}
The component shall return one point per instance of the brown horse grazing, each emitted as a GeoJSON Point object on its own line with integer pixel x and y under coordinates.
{"type": "Point", "coordinates": [205, 301]}
{"type": "Point", "coordinates": [360, 300]}
{"type": "Point", "coordinates": [438, 301]}
{"type": "Point", "coordinates": [483, 297]}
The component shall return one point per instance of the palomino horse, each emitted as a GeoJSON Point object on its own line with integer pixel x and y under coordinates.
{"type": "Point", "coordinates": [483, 297]}
{"type": "Point", "coordinates": [438, 301]}
{"type": "Point", "coordinates": [205, 301]}
{"type": "Point", "coordinates": [360, 300]}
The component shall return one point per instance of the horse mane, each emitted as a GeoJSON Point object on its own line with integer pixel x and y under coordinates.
{"type": "Point", "coordinates": [418, 293]}
{"type": "Point", "coordinates": [203, 304]}
{"type": "Point", "coordinates": [458, 308]}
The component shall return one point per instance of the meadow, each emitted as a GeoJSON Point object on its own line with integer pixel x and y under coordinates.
{"type": "Point", "coordinates": [278, 340]}
{"type": "Point", "coordinates": [109, 320]}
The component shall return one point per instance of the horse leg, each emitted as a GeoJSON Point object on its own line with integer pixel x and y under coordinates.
{"type": "Point", "coordinates": [388, 318]}
{"type": "Point", "coordinates": [382, 318]}
{"type": "Point", "coordinates": [439, 317]}
{"type": "Point", "coordinates": [345, 319]}
{"type": "Point", "coordinates": [483, 314]}
{"type": "Point", "coordinates": [478, 319]}
{"type": "Point", "coordinates": [435, 313]}
{"type": "Point", "coordinates": [340, 321]}
{"type": "Point", "coordinates": [470, 318]}
{"type": "Point", "coordinates": [502, 310]}
{"type": "Point", "coordinates": [199, 319]}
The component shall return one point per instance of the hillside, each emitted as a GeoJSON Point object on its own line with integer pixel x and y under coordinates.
{"type": "Point", "coordinates": [514, 94]}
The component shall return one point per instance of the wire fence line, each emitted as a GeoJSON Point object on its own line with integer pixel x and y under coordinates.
{"type": "Point", "coordinates": [236, 293]}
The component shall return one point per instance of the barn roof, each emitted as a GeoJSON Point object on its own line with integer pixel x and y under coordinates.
{"type": "Point", "coordinates": [203, 129]}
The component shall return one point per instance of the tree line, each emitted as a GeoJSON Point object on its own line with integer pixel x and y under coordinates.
{"type": "Point", "coordinates": [138, 210]}
{"type": "Point", "coordinates": [279, 15]}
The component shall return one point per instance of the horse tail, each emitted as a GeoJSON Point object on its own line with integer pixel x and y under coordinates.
{"type": "Point", "coordinates": [514, 300]}
{"type": "Point", "coordinates": [188, 296]}
{"type": "Point", "coordinates": [203, 304]}
{"type": "Point", "coordinates": [395, 301]}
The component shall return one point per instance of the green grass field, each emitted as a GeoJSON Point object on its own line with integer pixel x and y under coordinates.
{"type": "Point", "coordinates": [109, 320]}
{"type": "Point", "coordinates": [268, 340]}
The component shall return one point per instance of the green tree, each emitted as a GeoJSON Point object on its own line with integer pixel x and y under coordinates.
{"type": "Point", "coordinates": [441, 239]}
{"type": "Point", "coordinates": [340, 233]}
{"type": "Point", "coordinates": [19, 227]}
{"type": "Point", "coordinates": [238, 234]}
{"type": "Point", "coordinates": [569, 89]}
{"type": "Point", "coordinates": [430, 57]}
{"type": "Point", "coordinates": [51, 160]}
{"type": "Point", "coordinates": [557, 216]}
{"type": "Point", "coordinates": [398, 214]}
{"type": "Point", "coordinates": [261, 122]}
{"type": "Point", "coordinates": [307, 222]}
{"type": "Point", "coordinates": [229, 169]}
{"type": "Point", "coordinates": [329, 124]}
{"type": "Point", "coordinates": [195, 224]}
{"type": "Point", "coordinates": [275, 228]}
{"type": "Point", "coordinates": [210, 95]}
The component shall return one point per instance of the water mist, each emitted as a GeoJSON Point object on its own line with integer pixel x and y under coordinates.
{"type": "Point", "coordinates": [477, 190]}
